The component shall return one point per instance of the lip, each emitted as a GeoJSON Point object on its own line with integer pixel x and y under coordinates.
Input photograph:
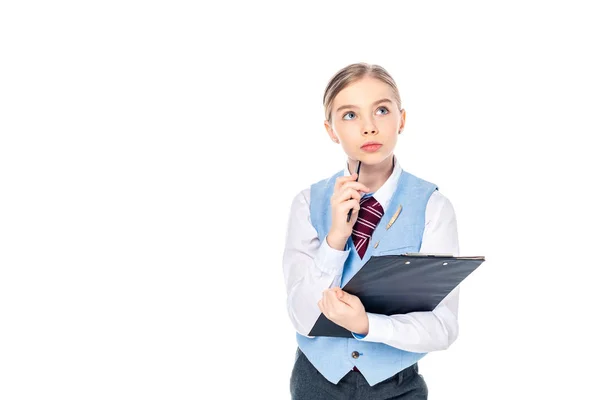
{"type": "Point", "coordinates": [371, 146]}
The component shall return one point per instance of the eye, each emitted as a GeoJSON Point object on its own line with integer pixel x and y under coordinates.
{"type": "Point", "coordinates": [348, 113]}
{"type": "Point", "coordinates": [384, 108]}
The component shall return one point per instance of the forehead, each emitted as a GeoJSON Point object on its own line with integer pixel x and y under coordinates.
{"type": "Point", "coordinates": [363, 93]}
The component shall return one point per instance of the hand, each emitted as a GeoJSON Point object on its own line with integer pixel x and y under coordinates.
{"type": "Point", "coordinates": [346, 195]}
{"type": "Point", "coordinates": [344, 309]}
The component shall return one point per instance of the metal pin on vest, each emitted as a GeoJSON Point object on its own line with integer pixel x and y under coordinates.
{"type": "Point", "coordinates": [394, 217]}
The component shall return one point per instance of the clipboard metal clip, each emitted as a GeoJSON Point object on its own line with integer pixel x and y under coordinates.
{"type": "Point", "coordinates": [442, 255]}
{"type": "Point", "coordinates": [427, 255]}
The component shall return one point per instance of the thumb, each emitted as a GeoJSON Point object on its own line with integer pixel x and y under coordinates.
{"type": "Point", "coordinates": [352, 300]}
{"type": "Point", "coordinates": [345, 297]}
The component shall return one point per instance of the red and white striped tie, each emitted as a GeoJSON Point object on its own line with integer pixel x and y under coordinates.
{"type": "Point", "coordinates": [369, 215]}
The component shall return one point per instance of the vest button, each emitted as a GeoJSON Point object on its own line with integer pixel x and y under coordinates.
{"type": "Point", "coordinates": [355, 354]}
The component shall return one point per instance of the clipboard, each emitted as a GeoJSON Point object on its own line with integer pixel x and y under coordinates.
{"type": "Point", "coordinates": [400, 284]}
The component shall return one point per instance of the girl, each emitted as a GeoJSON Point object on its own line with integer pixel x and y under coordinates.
{"type": "Point", "coordinates": [324, 249]}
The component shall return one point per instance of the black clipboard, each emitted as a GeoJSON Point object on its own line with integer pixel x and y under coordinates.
{"type": "Point", "coordinates": [399, 284]}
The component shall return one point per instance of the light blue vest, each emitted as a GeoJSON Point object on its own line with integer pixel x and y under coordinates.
{"type": "Point", "coordinates": [332, 356]}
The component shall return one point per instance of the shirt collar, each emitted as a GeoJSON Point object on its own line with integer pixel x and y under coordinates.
{"type": "Point", "coordinates": [384, 194]}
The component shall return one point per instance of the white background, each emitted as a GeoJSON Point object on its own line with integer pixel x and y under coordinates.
{"type": "Point", "coordinates": [149, 153]}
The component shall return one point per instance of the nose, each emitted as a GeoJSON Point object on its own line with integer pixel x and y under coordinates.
{"type": "Point", "coordinates": [369, 127]}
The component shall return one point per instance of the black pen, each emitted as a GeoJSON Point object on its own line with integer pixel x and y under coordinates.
{"type": "Point", "coordinates": [357, 172]}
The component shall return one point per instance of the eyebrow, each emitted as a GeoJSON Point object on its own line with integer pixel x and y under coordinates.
{"type": "Point", "coordinates": [352, 106]}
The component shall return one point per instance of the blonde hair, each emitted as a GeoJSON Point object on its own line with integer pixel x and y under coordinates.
{"type": "Point", "coordinates": [352, 73]}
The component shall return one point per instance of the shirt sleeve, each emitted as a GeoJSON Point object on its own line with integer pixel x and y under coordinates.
{"type": "Point", "coordinates": [309, 266]}
{"type": "Point", "coordinates": [425, 331]}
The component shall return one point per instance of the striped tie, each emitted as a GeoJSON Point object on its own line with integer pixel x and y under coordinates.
{"type": "Point", "coordinates": [368, 217]}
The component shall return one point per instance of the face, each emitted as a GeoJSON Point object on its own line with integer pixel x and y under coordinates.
{"type": "Point", "coordinates": [359, 115]}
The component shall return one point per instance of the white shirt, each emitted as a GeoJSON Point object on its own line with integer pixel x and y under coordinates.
{"type": "Point", "coordinates": [310, 267]}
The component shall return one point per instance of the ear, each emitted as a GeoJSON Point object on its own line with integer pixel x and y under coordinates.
{"type": "Point", "coordinates": [330, 132]}
{"type": "Point", "coordinates": [402, 120]}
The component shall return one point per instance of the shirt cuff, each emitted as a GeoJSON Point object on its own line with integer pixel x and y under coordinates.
{"type": "Point", "coordinates": [380, 329]}
{"type": "Point", "coordinates": [331, 261]}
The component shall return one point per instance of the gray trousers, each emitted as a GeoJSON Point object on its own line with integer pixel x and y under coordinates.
{"type": "Point", "coordinates": [307, 382]}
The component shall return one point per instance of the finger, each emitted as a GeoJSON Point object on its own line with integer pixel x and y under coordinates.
{"type": "Point", "coordinates": [331, 300]}
{"type": "Point", "coordinates": [350, 204]}
{"type": "Point", "coordinates": [334, 299]}
{"type": "Point", "coordinates": [324, 300]}
{"type": "Point", "coordinates": [351, 300]}
{"type": "Point", "coordinates": [329, 305]}
{"type": "Point", "coordinates": [356, 186]}
{"type": "Point", "coordinates": [338, 308]}
{"type": "Point", "coordinates": [347, 194]}
{"type": "Point", "coordinates": [343, 179]}
{"type": "Point", "coordinates": [339, 293]}
{"type": "Point", "coordinates": [345, 297]}
{"type": "Point", "coordinates": [341, 192]}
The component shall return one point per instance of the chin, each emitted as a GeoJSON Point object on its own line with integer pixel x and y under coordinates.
{"type": "Point", "coordinates": [372, 158]}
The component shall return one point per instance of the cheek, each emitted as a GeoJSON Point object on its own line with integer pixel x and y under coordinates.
{"type": "Point", "coordinates": [390, 133]}
{"type": "Point", "coordinates": [343, 132]}
{"type": "Point", "coordinates": [390, 125]}
{"type": "Point", "coordinates": [349, 137]}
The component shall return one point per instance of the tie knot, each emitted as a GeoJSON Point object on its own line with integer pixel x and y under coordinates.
{"type": "Point", "coordinates": [370, 209]}
{"type": "Point", "coordinates": [368, 200]}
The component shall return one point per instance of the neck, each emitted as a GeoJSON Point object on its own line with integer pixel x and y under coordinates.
{"type": "Point", "coordinates": [373, 176]}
